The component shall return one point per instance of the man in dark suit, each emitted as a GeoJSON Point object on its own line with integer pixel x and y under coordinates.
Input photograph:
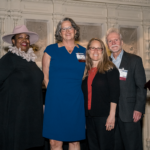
{"type": "Point", "coordinates": [132, 93]}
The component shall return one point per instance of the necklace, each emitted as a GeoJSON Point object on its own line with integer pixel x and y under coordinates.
{"type": "Point", "coordinates": [69, 51]}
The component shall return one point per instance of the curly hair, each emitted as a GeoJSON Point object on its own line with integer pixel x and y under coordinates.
{"type": "Point", "coordinates": [58, 30]}
{"type": "Point", "coordinates": [104, 64]}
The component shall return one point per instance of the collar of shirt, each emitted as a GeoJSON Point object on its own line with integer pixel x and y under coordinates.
{"type": "Point", "coordinates": [117, 61]}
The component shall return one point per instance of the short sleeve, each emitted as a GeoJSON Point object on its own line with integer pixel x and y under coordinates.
{"type": "Point", "coordinates": [83, 49]}
{"type": "Point", "coordinates": [6, 67]}
{"type": "Point", "coordinates": [51, 49]}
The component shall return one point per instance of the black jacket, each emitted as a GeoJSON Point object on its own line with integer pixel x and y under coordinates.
{"type": "Point", "coordinates": [132, 92]}
{"type": "Point", "coordinates": [105, 89]}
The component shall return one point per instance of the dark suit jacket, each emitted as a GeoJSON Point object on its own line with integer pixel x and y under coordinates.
{"type": "Point", "coordinates": [132, 92]}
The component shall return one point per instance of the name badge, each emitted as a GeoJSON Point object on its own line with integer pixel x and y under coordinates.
{"type": "Point", "coordinates": [80, 57]}
{"type": "Point", "coordinates": [123, 74]}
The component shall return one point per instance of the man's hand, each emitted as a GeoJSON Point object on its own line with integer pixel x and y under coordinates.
{"type": "Point", "coordinates": [136, 116]}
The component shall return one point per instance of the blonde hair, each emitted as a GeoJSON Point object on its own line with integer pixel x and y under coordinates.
{"type": "Point", "coordinates": [104, 64]}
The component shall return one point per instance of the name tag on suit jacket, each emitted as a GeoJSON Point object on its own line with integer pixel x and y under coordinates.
{"type": "Point", "coordinates": [123, 74]}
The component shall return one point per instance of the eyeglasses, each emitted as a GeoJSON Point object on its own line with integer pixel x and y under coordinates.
{"type": "Point", "coordinates": [94, 48]}
{"type": "Point", "coordinates": [65, 29]}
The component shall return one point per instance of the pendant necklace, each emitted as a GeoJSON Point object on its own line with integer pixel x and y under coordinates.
{"type": "Point", "coordinates": [69, 51]}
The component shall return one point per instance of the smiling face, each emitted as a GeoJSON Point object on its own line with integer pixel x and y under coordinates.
{"type": "Point", "coordinates": [114, 42]}
{"type": "Point", "coordinates": [95, 51]}
{"type": "Point", "coordinates": [21, 41]}
{"type": "Point", "coordinates": [67, 31]}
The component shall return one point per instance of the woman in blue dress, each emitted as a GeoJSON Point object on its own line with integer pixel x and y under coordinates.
{"type": "Point", "coordinates": [63, 67]}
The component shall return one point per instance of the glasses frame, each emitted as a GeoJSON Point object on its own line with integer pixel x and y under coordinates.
{"type": "Point", "coordinates": [99, 49]}
{"type": "Point", "coordinates": [68, 28]}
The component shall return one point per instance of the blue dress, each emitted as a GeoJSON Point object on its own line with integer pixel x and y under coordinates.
{"type": "Point", "coordinates": [64, 116]}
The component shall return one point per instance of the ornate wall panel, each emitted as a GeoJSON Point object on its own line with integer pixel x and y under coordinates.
{"type": "Point", "coordinates": [40, 27]}
{"type": "Point", "coordinates": [38, 7]}
{"type": "Point", "coordinates": [129, 36]}
{"type": "Point", "coordinates": [87, 32]}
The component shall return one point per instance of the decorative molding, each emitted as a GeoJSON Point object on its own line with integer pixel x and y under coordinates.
{"type": "Point", "coordinates": [146, 22]}
{"type": "Point", "coordinates": [133, 1]}
{"type": "Point", "coordinates": [58, 1]}
{"type": "Point", "coordinates": [39, 1]}
{"type": "Point", "coordinates": [15, 21]}
{"type": "Point", "coordinates": [15, 14]}
{"type": "Point", "coordinates": [112, 23]}
{"type": "Point", "coordinates": [145, 8]}
{"type": "Point", "coordinates": [37, 8]}
{"type": "Point", "coordinates": [148, 139]}
{"type": "Point", "coordinates": [130, 2]}
{"type": "Point", "coordinates": [85, 4]}
{"type": "Point", "coordinates": [130, 15]}
{"type": "Point", "coordinates": [2, 25]}
{"type": "Point", "coordinates": [121, 2]}
{"type": "Point", "coordinates": [112, 6]}
{"type": "Point", "coordinates": [41, 28]}
{"type": "Point", "coordinates": [3, 12]}
{"type": "Point", "coordinates": [147, 46]}
{"type": "Point", "coordinates": [128, 7]}
{"type": "Point", "coordinates": [85, 16]}
{"type": "Point", "coordinates": [86, 11]}
{"type": "Point", "coordinates": [37, 13]}
{"type": "Point", "coordinates": [56, 18]}
{"type": "Point", "coordinates": [1, 33]}
{"type": "Point", "coordinates": [130, 20]}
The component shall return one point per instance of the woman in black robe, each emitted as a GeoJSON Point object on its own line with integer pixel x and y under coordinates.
{"type": "Point", "coordinates": [21, 107]}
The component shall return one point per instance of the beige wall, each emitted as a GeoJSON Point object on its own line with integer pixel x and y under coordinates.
{"type": "Point", "coordinates": [131, 16]}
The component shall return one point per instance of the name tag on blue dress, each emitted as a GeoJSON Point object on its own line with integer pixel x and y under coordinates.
{"type": "Point", "coordinates": [80, 57]}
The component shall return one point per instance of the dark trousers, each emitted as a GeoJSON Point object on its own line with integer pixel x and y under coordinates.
{"type": "Point", "coordinates": [128, 136]}
{"type": "Point", "coordinates": [98, 137]}
{"type": "Point", "coordinates": [36, 148]}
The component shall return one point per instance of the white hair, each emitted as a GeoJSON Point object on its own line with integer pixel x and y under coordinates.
{"type": "Point", "coordinates": [111, 30]}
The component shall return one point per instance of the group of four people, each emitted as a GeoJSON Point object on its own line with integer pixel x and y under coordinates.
{"type": "Point", "coordinates": [86, 91]}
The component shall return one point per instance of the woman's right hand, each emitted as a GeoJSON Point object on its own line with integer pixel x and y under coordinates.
{"type": "Point", "coordinates": [110, 122]}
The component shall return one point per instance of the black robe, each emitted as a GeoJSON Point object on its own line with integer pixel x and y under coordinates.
{"type": "Point", "coordinates": [21, 109]}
